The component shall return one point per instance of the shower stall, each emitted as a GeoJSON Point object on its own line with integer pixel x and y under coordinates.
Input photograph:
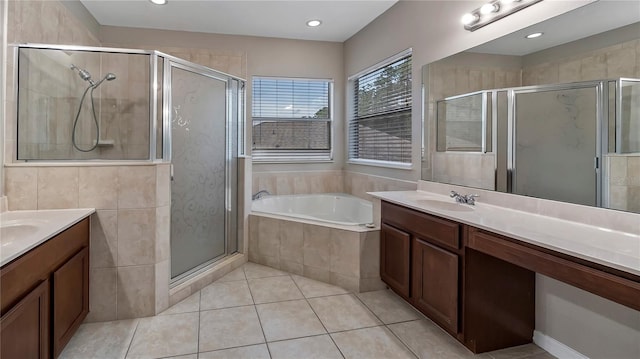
{"type": "Point", "coordinates": [93, 104]}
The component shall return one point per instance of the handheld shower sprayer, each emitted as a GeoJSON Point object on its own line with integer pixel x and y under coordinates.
{"type": "Point", "coordinates": [86, 76]}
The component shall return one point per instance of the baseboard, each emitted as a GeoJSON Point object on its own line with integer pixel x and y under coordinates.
{"type": "Point", "coordinates": [556, 348]}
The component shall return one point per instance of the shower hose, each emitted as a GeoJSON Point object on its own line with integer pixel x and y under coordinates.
{"type": "Point", "coordinates": [95, 121]}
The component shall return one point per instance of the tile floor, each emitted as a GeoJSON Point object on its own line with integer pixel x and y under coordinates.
{"type": "Point", "coordinates": [260, 312]}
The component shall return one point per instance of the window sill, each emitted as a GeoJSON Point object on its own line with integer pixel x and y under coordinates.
{"type": "Point", "coordinates": [385, 164]}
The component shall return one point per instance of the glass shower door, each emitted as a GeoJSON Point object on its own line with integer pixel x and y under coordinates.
{"type": "Point", "coordinates": [556, 144]}
{"type": "Point", "coordinates": [200, 158]}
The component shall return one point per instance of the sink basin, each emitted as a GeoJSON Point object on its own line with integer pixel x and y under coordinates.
{"type": "Point", "coordinates": [10, 231]}
{"type": "Point", "coordinates": [446, 206]}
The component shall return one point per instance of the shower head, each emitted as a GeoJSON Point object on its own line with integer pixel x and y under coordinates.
{"type": "Point", "coordinates": [84, 74]}
{"type": "Point", "coordinates": [109, 77]}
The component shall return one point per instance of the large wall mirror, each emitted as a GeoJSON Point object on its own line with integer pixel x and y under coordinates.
{"type": "Point", "coordinates": [555, 117]}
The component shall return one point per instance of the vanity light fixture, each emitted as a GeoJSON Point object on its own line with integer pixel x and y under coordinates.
{"type": "Point", "coordinates": [534, 35]}
{"type": "Point", "coordinates": [314, 23]}
{"type": "Point", "coordinates": [158, 2]}
{"type": "Point", "coordinates": [493, 11]}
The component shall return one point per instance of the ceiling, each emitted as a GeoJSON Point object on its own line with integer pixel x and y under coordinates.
{"type": "Point", "coordinates": [283, 19]}
{"type": "Point", "coordinates": [582, 22]}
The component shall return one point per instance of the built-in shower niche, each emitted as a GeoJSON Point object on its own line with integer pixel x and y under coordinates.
{"type": "Point", "coordinates": [56, 123]}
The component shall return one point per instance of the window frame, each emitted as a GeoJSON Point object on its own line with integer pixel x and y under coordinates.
{"type": "Point", "coordinates": [295, 155]}
{"type": "Point", "coordinates": [351, 103]}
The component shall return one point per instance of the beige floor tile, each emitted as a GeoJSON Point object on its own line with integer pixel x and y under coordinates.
{"type": "Point", "coordinates": [225, 295]}
{"type": "Point", "coordinates": [287, 320]}
{"type": "Point", "coordinates": [274, 289]}
{"type": "Point", "coordinates": [164, 336]}
{"type": "Point", "coordinates": [236, 274]}
{"type": "Point", "coordinates": [253, 270]}
{"type": "Point", "coordinates": [228, 328]}
{"type": "Point", "coordinates": [312, 288]}
{"type": "Point", "coordinates": [101, 340]}
{"type": "Point", "coordinates": [519, 352]}
{"type": "Point", "coordinates": [187, 305]}
{"type": "Point", "coordinates": [427, 340]}
{"type": "Point", "coordinates": [376, 342]}
{"type": "Point", "coordinates": [343, 312]}
{"type": "Point", "coordinates": [259, 351]}
{"type": "Point", "coordinates": [318, 347]}
{"type": "Point", "coordinates": [189, 356]}
{"type": "Point", "coordinates": [388, 306]}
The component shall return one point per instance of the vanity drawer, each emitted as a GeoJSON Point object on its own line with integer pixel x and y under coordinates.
{"type": "Point", "coordinates": [434, 229]}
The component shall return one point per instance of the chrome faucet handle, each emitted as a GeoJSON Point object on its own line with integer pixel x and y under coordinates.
{"type": "Point", "coordinates": [453, 194]}
{"type": "Point", "coordinates": [471, 198]}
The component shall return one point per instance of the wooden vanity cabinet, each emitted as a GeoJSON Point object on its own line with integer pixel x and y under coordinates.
{"type": "Point", "coordinates": [395, 259]}
{"type": "Point", "coordinates": [423, 251]}
{"type": "Point", "coordinates": [25, 328]}
{"type": "Point", "coordinates": [44, 295]}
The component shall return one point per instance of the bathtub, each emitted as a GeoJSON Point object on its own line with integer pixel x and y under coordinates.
{"type": "Point", "coordinates": [334, 208]}
{"type": "Point", "coordinates": [324, 237]}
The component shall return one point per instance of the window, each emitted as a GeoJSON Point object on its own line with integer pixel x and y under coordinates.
{"type": "Point", "coordinates": [291, 119]}
{"type": "Point", "coordinates": [380, 125]}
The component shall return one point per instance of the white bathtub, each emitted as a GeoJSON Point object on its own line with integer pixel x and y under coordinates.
{"type": "Point", "coordinates": [336, 208]}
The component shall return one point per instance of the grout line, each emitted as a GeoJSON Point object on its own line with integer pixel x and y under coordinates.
{"type": "Point", "coordinates": [199, 322]}
{"type": "Point", "coordinates": [132, 337]}
{"type": "Point", "coordinates": [258, 315]}
{"type": "Point", "coordinates": [262, 329]}
{"type": "Point", "coordinates": [321, 323]}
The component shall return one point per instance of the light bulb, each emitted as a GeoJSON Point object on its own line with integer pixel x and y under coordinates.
{"type": "Point", "coordinates": [534, 35]}
{"type": "Point", "coordinates": [488, 8]}
{"type": "Point", "coordinates": [469, 18]}
{"type": "Point", "coordinates": [314, 23]}
{"type": "Point", "coordinates": [159, 2]}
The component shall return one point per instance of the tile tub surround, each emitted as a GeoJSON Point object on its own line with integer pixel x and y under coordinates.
{"type": "Point", "coordinates": [129, 232]}
{"type": "Point", "coordinates": [346, 256]}
{"type": "Point", "coordinates": [323, 321]}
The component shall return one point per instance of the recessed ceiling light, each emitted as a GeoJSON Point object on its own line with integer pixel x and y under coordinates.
{"type": "Point", "coordinates": [534, 35]}
{"type": "Point", "coordinates": [159, 2]}
{"type": "Point", "coordinates": [314, 23]}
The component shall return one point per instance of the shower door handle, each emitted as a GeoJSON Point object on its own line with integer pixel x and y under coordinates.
{"type": "Point", "coordinates": [171, 172]}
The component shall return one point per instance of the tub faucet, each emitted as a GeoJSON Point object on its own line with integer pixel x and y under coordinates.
{"type": "Point", "coordinates": [469, 199]}
{"type": "Point", "coordinates": [260, 194]}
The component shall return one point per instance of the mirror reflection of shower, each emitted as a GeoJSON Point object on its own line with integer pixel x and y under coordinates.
{"type": "Point", "coordinates": [86, 76]}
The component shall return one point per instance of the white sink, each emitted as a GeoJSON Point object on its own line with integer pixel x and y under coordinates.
{"type": "Point", "coordinates": [445, 206]}
{"type": "Point", "coordinates": [21, 231]}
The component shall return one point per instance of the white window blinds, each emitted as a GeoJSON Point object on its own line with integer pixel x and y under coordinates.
{"type": "Point", "coordinates": [380, 125]}
{"type": "Point", "coordinates": [291, 119]}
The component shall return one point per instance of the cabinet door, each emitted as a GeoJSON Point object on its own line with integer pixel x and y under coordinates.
{"type": "Point", "coordinates": [70, 298]}
{"type": "Point", "coordinates": [25, 328]}
{"type": "Point", "coordinates": [435, 283]}
{"type": "Point", "coordinates": [395, 259]}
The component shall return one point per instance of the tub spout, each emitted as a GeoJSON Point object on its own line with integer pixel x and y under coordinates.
{"type": "Point", "coordinates": [260, 194]}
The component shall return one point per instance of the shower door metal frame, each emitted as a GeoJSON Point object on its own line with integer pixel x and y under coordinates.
{"type": "Point", "coordinates": [600, 127]}
{"type": "Point", "coordinates": [169, 63]}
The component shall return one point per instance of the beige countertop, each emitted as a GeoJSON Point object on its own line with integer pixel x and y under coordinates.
{"type": "Point", "coordinates": [21, 231]}
{"type": "Point", "coordinates": [609, 247]}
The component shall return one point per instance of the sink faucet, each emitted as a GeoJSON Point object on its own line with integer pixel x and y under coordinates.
{"type": "Point", "coordinates": [260, 194]}
{"type": "Point", "coordinates": [469, 199]}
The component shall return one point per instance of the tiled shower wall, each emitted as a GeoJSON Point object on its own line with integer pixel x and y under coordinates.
{"type": "Point", "coordinates": [624, 183]}
{"type": "Point", "coordinates": [129, 273]}
{"type": "Point", "coordinates": [621, 60]}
